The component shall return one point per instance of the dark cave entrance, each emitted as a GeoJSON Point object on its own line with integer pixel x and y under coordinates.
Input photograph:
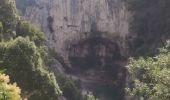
{"type": "Point", "coordinates": [98, 59]}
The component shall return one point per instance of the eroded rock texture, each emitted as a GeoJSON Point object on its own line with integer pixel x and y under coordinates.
{"type": "Point", "coordinates": [88, 34]}
{"type": "Point", "coordinates": [63, 20]}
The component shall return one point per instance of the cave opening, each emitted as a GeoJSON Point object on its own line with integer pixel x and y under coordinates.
{"type": "Point", "coordinates": [98, 60]}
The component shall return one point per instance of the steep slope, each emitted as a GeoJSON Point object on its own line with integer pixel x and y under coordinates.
{"type": "Point", "coordinates": [68, 20]}
{"type": "Point", "coordinates": [89, 35]}
{"type": "Point", "coordinates": [150, 25]}
{"type": "Point", "coordinates": [23, 56]}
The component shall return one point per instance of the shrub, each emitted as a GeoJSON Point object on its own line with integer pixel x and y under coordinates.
{"type": "Point", "coordinates": [8, 91]}
{"type": "Point", "coordinates": [28, 69]}
{"type": "Point", "coordinates": [152, 76]}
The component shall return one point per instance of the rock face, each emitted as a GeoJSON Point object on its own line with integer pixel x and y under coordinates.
{"type": "Point", "coordinates": [68, 20]}
{"type": "Point", "coordinates": [88, 34]}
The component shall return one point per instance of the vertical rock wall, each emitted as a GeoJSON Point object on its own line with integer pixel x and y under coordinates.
{"type": "Point", "coordinates": [90, 36]}
{"type": "Point", "coordinates": [64, 21]}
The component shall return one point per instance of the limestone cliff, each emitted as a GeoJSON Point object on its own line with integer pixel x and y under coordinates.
{"type": "Point", "coordinates": [86, 33]}
{"type": "Point", "coordinates": [67, 20]}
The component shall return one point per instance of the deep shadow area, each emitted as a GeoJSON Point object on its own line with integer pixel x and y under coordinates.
{"type": "Point", "coordinates": [94, 52]}
{"type": "Point", "coordinates": [149, 27]}
{"type": "Point", "coordinates": [98, 63]}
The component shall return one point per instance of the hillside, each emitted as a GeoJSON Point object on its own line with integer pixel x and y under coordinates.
{"type": "Point", "coordinates": [85, 49]}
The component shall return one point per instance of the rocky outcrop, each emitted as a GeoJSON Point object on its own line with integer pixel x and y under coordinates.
{"type": "Point", "coordinates": [69, 20]}
{"type": "Point", "coordinates": [90, 35]}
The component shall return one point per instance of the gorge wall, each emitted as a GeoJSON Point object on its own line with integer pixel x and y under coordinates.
{"type": "Point", "coordinates": [90, 35]}
{"type": "Point", "coordinates": [71, 20]}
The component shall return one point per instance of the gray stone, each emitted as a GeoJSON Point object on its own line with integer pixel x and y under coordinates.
{"type": "Point", "coordinates": [71, 18]}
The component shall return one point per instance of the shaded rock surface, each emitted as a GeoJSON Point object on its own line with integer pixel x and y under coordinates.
{"type": "Point", "coordinates": [89, 35]}
{"type": "Point", "coordinates": [64, 20]}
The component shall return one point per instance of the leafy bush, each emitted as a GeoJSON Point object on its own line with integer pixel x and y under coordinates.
{"type": "Point", "coordinates": [8, 14]}
{"type": "Point", "coordinates": [25, 29]}
{"type": "Point", "coordinates": [24, 53]}
{"type": "Point", "coordinates": [1, 30]}
{"type": "Point", "coordinates": [69, 88]}
{"type": "Point", "coordinates": [91, 97]}
{"type": "Point", "coordinates": [8, 91]}
{"type": "Point", "coordinates": [28, 69]}
{"type": "Point", "coordinates": [152, 76]}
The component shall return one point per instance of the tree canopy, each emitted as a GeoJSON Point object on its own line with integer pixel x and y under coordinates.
{"type": "Point", "coordinates": [152, 76]}
{"type": "Point", "coordinates": [23, 52]}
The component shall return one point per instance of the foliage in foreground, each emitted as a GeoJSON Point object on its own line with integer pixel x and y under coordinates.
{"type": "Point", "coordinates": [24, 55]}
{"type": "Point", "coordinates": [27, 68]}
{"type": "Point", "coordinates": [91, 97]}
{"type": "Point", "coordinates": [152, 76]}
{"type": "Point", "coordinates": [8, 91]}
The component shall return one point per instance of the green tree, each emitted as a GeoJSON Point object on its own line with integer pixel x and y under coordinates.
{"type": "Point", "coordinates": [1, 31]}
{"type": "Point", "coordinates": [25, 29]}
{"type": "Point", "coordinates": [69, 88]}
{"type": "Point", "coordinates": [28, 69]}
{"type": "Point", "coordinates": [8, 14]}
{"type": "Point", "coordinates": [152, 76]}
{"type": "Point", "coordinates": [24, 53]}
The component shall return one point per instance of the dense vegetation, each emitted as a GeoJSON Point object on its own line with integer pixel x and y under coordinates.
{"type": "Point", "coordinates": [150, 28]}
{"type": "Point", "coordinates": [152, 76]}
{"type": "Point", "coordinates": [8, 91]}
{"type": "Point", "coordinates": [91, 97]}
{"type": "Point", "coordinates": [24, 55]}
{"type": "Point", "coordinates": [69, 88]}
